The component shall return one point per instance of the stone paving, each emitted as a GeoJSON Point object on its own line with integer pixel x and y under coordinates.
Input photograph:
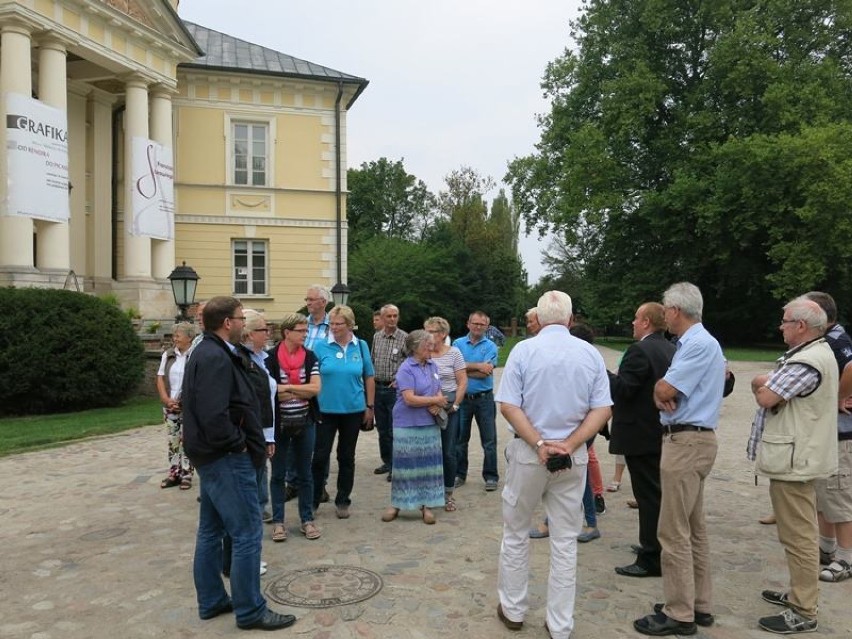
{"type": "Point", "coordinates": [90, 546]}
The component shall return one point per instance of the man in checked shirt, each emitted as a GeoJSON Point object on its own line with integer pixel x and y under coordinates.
{"type": "Point", "coordinates": [387, 355]}
{"type": "Point", "coordinates": [794, 438]}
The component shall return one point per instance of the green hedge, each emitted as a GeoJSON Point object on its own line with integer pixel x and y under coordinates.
{"type": "Point", "coordinates": [64, 351]}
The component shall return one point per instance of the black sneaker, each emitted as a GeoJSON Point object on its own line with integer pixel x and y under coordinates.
{"type": "Point", "coordinates": [600, 504]}
{"type": "Point", "coordinates": [773, 597]}
{"type": "Point", "coordinates": [787, 623]}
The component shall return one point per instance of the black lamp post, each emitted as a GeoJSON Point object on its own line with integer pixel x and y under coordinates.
{"type": "Point", "coordinates": [340, 294]}
{"type": "Point", "coordinates": [184, 280]}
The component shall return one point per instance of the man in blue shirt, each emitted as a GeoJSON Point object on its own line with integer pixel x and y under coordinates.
{"type": "Point", "coordinates": [689, 397]}
{"type": "Point", "coordinates": [480, 356]}
{"type": "Point", "coordinates": [316, 300]}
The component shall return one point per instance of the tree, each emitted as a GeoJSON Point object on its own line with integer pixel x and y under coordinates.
{"type": "Point", "coordinates": [702, 141]}
{"type": "Point", "coordinates": [384, 200]}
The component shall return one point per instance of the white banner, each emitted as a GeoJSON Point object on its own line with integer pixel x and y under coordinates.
{"type": "Point", "coordinates": [152, 193]}
{"type": "Point", "coordinates": [37, 160]}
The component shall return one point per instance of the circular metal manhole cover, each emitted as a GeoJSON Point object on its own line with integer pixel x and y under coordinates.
{"type": "Point", "coordinates": [324, 587]}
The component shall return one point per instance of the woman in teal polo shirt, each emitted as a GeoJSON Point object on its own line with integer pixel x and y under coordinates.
{"type": "Point", "coordinates": [346, 403]}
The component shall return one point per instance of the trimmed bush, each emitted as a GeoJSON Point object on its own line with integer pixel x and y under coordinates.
{"type": "Point", "coordinates": [64, 351]}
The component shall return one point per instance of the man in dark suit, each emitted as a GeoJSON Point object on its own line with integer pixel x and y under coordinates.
{"type": "Point", "coordinates": [636, 432]}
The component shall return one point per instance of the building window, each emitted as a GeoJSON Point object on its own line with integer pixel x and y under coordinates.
{"type": "Point", "coordinates": [250, 152]}
{"type": "Point", "coordinates": [250, 267]}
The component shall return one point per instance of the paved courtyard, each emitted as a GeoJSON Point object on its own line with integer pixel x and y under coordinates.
{"type": "Point", "coordinates": [90, 546]}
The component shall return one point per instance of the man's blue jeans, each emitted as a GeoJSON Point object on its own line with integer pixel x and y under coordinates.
{"type": "Point", "coordinates": [229, 506]}
{"type": "Point", "coordinates": [300, 448]}
{"type": "Point", "coordinates": [482, 407]}
{"type": "Point", "coordinates": [449, 438]}
{"type": "Point", "coordinates": [384, 402]}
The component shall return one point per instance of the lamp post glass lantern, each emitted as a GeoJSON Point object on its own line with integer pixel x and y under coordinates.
{"type": "Point", "coordinates": [184, 281]}
{"type": "Point", "coordinates": [340, 294]}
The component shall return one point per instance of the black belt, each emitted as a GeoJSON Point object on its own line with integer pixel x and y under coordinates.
{"type": "Point", "coordinates": [476, 395]}
{"type": "Point", "coordinates": [671, 429]}
{"type": "Point", "coordinates": [378, 383]}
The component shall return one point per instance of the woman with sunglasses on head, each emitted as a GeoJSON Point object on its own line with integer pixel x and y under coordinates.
{"type": "Point", "coordinates": [296, 371]}
{"type": "Point", "coordinates": [345, 401]}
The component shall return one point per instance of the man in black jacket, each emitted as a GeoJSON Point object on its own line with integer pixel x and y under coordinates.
{"type": "Point", "coordinates": [636, 432]}
{"type": "Point", "coordinates": [224, 440]}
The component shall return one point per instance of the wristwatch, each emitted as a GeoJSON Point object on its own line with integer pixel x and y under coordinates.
{"type": "Point", "coordinates": [539, 444]}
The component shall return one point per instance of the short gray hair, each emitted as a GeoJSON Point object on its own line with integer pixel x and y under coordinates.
{"type": "Point", "coordinates": [808, 311]}
{"type": "Point", "coordinates": [554, 307]}
{"type": "Point", "coordinates": [415, 339]}
{"type": "Point", "coordinates": [686, 297]}
{"type": "Point", "coordinates": [531, 312]}
{"type": "Point", "coordinates": [184, 328]}
{"type": "Point", "coordinates": [321, 290]}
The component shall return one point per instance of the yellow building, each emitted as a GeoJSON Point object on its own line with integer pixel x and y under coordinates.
{"type": "Point", "coordinates": [135, 141]}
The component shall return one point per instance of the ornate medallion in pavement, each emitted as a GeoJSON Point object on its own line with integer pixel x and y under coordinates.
{"type": "Point", "coordinates": [324, 587]}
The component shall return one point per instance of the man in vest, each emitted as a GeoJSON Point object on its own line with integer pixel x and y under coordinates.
{"type": "Point", "coordinates": [834, 495]}
{"type": "Point", "coordinates": [794, 438]}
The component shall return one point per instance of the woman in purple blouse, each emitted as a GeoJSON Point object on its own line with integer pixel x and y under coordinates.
{"type": "Point", "coordinates": [418, 474]}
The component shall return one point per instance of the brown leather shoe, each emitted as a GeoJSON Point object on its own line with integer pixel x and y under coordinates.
{"type": "Point", "coordinates": [768, 520]}
{"type": "Point", "coordinates": [511, 625]}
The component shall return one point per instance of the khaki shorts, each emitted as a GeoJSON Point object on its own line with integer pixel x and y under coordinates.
{"type": "Point", "coordinates": [834, 495]}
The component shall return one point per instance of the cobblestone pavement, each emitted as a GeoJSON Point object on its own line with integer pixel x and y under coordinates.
{"type": "Point", "coordinates": [92, 547]}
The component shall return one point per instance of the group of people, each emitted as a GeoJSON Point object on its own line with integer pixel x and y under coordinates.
{"type": "Point", "coordinates": [231, 406]}
{"type": "Point", "coordinates": [664, 402]}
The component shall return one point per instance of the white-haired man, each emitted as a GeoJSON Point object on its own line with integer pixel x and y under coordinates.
{"type": "Point", "coordinates": [794, 440]}
{"type": "Point", "coordinates": [689, 397]}
{"type": "Point", "coordinates": [316, 299]}
{"type": "Point", "coordinates": [555, 396]}
{"type": "Point", "coordinates": [387, 354]}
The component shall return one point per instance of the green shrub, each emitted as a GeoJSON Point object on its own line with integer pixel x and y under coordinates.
{"type": "Point", "coordinates": [64, 351]}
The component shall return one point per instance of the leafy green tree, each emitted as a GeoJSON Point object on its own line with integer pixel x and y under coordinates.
{"type": "Point", "coordinates": [699, 140]}
{"type": "Point", "coordinates": [384, 200]}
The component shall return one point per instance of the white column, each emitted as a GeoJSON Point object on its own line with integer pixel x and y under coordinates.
{"type": "Point", "coordinates": [16, 233]}
{"type": "Point", "coordinates": [78, 141]}
{"type": "Point", "coordinates": [53, 238]}
{"type": "Point", "coordinates": [162, 251]}
{"type": "Point", "coordinates": [100, 249]}
{"type": "Point", "coordinates": [137, 249]}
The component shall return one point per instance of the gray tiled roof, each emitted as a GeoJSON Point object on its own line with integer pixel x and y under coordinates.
{"type": "Point", "coordinates": [225, 52]}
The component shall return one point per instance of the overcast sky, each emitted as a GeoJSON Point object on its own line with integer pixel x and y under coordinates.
{"type": "Point", "coordinates": [452, 82]}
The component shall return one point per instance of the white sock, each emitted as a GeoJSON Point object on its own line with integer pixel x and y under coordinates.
{"type": "Point", "coordinates": [827, 544]}
{"type": "Point", "coordinates": [843, 554]}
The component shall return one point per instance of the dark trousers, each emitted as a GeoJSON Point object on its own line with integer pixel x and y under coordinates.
{"type": "Point", "coordinates": [385, 399]}
{"type": "Point", "coordinates": [645, 479]}
{"type": "Point", "coordinates": [347, 426]}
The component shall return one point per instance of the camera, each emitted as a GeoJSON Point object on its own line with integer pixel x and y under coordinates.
{"type": "Point", "coordinates": [558, 462]}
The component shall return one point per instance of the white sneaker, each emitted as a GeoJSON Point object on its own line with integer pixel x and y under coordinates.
{"type": "Point", "coordinates": [263, 568]}
{"type": "Point", "coordinates": [837, 570]}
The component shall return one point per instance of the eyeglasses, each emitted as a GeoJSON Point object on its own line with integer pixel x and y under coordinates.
{"type": "Point", "coordinates": [313, 299]}
{"type": "Point", "coordinates": [791, 321]}
{"type": "Point", "coordinates": [338, 324]}
{"type": "Point", "coordinates": [477, 324]}
{"type": "Point", "coordinates": [261, 330]}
